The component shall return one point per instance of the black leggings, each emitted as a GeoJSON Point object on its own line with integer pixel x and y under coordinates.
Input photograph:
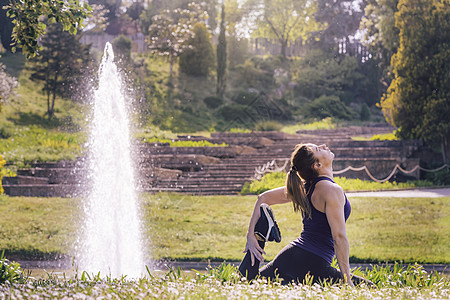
{"type": "Point", "coordinates": [292, 264]}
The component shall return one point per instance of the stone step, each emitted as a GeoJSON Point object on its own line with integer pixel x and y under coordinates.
{"type": "Point", "coordinates": [24, 180]}
{"type": "Point", "coordinates": [54, 175]}
{"type": "Point", "coordinates": [44, 190]}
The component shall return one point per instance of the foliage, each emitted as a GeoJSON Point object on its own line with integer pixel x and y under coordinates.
{"type": "Point", "coordinates": [29, 24]}
{"type": "Point", "coordinates": [319, 73]}
{"type": "Point", "coordinates": [326, 123]}
{"type": "Point", "coordinates": [198, 59]}
{"type": "Point", "coordinates": [35, 144]}
{"type": "Point", "coordinates": [122, 50]}
{"type": "Point", "coordinates": [381, 34]}
{"type": "Point", "coordinates": [60, 65]}
{"type": "Point", "coordinates": [213, 102]}
{"type": "Point", "coordinates": [378, 137]}
{"type": "Point", "coordinates": [364, 114]}
{"type": "Point", "coordinates": [333, 14]}
{"type": "Point", "coordinates": [328, 106]}
{"type": "Point", "coordinates": [171, 31]}
{"type": "Point", "coordinates": [421, 85]}
{"type": "Point", "coordinates": [268, 126]}
{"type": "Point", "coordinates": [221, 54]}
{"type": "Point", "coordinates": [277, 179]}
{"type": "Point", "coordinates": [441, 177]}
{"type": "Point", "coordinates": [7, 85]}
{"type": "Point", "coordinates": [10, 272]}
{"type": "Point", "coordinates": [284, 20]}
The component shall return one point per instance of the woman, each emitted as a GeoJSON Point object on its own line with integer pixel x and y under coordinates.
{"type": "Point", "coordinates": [324, 208]}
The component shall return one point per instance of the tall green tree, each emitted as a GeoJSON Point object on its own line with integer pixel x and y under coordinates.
{"type": "Point", "coordinates": [381, 35]}
{"type": "Point", "coordinates": [284, 20]}
{"type": "Point", "coordinates": [237, 43]}
{"type": "Point", "coordinates": [221, 56]}
{"type": "Point", "coordinates": [198, 59]}
{"type": "Point", "coordinates": [418, 98]}
{"type": "Point", "coordinates": [31, 16]}
{"type": "Point", "coordinates": [340, 19]}
{"type": "Point", "coordinates": [6, 26]}
{"type": "Point", "coordinates": [59, 65]}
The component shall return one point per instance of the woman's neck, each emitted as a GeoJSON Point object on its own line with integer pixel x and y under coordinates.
{"type": "Point", "coordinates": [326, 173]}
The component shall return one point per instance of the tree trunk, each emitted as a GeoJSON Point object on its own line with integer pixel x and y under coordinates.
{"type": "Point", "coordinates": [48, 101]}
{"type": "Point", "coordinates": [445, 149]}
{"type": "Point", "coordinates": [171, 66]}
{"type": "Point", "coordinates": [284, 48]}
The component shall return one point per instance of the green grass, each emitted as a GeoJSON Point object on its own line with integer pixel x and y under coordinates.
{"type": "Point", "coordinates": [187, 227]}
{"type": "Point", "coordinates": [27, 144]}
{"type": "Point", "coordinates": [277, 179]}
{"type": "Point", "coordinates": [377, 137]}
{"type": "Point", "coordinates": [26, 133]}
{"type": "Point", "coordinates": [326, 123]}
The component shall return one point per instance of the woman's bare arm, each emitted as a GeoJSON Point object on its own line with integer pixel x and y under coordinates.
{"type": "Point", "coordinates": [271, 197]}
{"type": "Point", "coordinates": [334, 210]}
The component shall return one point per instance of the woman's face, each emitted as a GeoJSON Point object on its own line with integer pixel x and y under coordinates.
{"type": "Point", "coordinates": [322, 153]}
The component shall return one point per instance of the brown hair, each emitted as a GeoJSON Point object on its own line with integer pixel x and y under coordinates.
{"type": "Point", "coordinates": [302, 171]}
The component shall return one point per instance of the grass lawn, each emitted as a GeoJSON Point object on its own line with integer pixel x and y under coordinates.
{"type": "Point", "coordinates": [213, 227]}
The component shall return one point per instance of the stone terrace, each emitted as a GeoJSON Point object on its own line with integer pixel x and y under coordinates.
{"type": "Point", "coordinates": [224, 170]}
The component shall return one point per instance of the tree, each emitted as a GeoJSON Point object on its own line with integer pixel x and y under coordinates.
{"type": "Point", "coordinates": [198, 59]}
{"type": "Point", "coordinates": [417, 100]}
{"type": "Point", "coordinates": [171, 31]}
{"type": "Point", "coordinates": [285, 20]}
{"type": "Point", "coordinates": [221, 56]}
{"type": "Point", "coordinates": [341, 20]}
{"type": "Point", "coordinates": [29, 24]}
{"type": "Point", "coordinates": [237, 43]}
{"type": "Point", "coordinates": [381, 34]}
{"type": "Point", "coordinates": [59, 65]}
{"type": "Point", "coordinates": [6, 26]}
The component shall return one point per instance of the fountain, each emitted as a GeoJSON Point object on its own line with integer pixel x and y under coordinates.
{"type": "Point", "coordinates": [111, 239]}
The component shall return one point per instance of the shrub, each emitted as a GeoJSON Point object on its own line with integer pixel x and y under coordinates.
{"type": "Point", "coordinates": [364, 114]}
{"type": "Point", "coordinates": [329, 106]}
{"type": "Point", "coordinates": [237, 111]}
{"type": "Point", "coordinates": [245, 98]}
{"type": "Point", "coordinates": [122, 48]}
{"type": "Point", "coordinates": [441, 177]}
{"type": "Point", "coordinates": [199, 59]}
{"type": "Point", "coordinates": [268, 126]}
{"type": "Point", "coordinates": [213, 102]}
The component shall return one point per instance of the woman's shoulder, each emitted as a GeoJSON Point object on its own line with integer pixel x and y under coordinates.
{"type": "Point", "coordinates": [329, 187]}
{"type": "Point", "coordinates": [328, 184]}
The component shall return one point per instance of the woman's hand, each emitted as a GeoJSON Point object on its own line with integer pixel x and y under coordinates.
{"type": "Point", "coordinates": [254, 248]}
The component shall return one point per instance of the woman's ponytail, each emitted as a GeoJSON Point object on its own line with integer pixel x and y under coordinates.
{"type": "Point", "coordinates": [296, 192]}
{"type": "Point", "coordinates": [302, 161]}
